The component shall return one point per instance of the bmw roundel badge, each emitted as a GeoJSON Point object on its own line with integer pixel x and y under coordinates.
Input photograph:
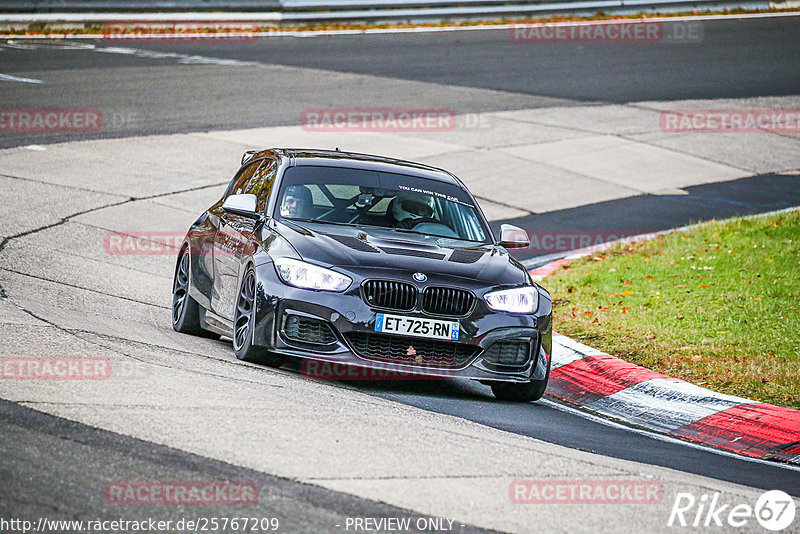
{"type": "Point", "coordinates": [419, 277]}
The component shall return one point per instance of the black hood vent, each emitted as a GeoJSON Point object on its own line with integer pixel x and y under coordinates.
{"type": "Point", "coordinates": [354, 243]}
{"type": "Point", "coordinates": [413, 252]}
{"type": "Point", "coordinates": [465, 255]}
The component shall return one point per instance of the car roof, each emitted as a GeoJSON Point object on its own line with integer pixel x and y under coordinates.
{"type": "Point", "coordinates": [301, 157]}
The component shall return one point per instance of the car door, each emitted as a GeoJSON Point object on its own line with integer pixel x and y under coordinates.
{"type": "Point", "coordinates": [235, 240]}
{"type": "Point", "coordinates": [220, 219]}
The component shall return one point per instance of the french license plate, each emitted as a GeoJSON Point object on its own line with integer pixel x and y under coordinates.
{"type": "Point", "coordinates": [417, 326]}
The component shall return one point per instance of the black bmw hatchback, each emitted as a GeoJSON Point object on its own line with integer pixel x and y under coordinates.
{"type": "Point", "coordinates": [363, 261]}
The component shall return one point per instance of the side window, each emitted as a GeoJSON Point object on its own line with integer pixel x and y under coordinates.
{"type": "Point", "coordinates": [261, 183]}
{"type": "Point", "coordinates": [239, 183]}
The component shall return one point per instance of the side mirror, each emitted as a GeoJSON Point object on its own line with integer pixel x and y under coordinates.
{"type": "Point", "coordinates": [247, 156]}
{"type": "Point", "coordinates": [513, 237]}
{"type": "Point", "coordinates": [244, 205]}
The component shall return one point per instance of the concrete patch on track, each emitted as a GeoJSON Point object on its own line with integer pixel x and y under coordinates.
{"type": "Point", "coordinates": [56, 445]}
{"type": "Point", "coordinates": [42, 203]}
{"type": "Point", "coordinates": [636, 166]}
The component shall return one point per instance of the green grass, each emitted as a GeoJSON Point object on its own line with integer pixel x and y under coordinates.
{"type": "Point", "coordinates": [717, 305]}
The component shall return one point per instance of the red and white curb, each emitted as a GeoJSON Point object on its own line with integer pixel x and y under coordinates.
{"type": "Point", "coordinates": [592, 380]}
{"type": "Point", "coordinates": [588, 378]}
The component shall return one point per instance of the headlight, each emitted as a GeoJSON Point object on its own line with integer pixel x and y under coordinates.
{"type": "Point", "coordinates": [307, 276]}
{"type": "Point", "coordinates": [517, 300]}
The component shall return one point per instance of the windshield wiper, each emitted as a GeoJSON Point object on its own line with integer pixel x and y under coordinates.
{"type": "Point", "coordinates": [317, 221]}
{"type": "Point", "coordinates": [438, 237]}
{"type": "Point", "coordinates": [407, 231]}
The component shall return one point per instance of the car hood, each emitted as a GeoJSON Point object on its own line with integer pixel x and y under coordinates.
{"type": "Point", "coordinates": [367, 250]}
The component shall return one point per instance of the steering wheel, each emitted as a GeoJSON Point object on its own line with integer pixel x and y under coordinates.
{"type": "Point", "coordinates": [410, 223]}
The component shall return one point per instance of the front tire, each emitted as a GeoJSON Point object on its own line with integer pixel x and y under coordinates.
{"type": "Point", "coordinates": [521, 392]}
{"type": "Point", "coordinates": [243, 324]}
{"type": "Point", "coordinates": [186, 310]}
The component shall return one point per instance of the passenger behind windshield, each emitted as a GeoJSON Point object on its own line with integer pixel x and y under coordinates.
{"type": "Point", "coordinates": [297, 202]}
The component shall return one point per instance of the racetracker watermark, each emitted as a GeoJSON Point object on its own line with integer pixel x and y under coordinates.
{"type": "Point", "coordinates": [730, 121]}
{"type": "Point", "coordinates": [585, 492]}
{"type": "Point", "coordinates": [146, 524]}
{"type": "Point", "coordinates": [180, 493]}
{"type": "Point", "coordinates": [377, 371]}
{"type": "Point", "coordinates": [615, 31]}
{"type": "Point", "coordinates": [183, 32]}
{"type": "Point", "coordinates": [156, 243]}
{"type": "Point", "coordinates": [378, 120]}
{"type": "Point", "coordinates": [54, 368]}
{"type": "Point", "coordinates": [145, 243]}
{"type": "Point", "coordinates": [552, 241]}
{"type": "Point", "coordinates": [30, 120]}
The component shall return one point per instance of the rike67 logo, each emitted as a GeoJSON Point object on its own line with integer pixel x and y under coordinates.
{"type": "Point", "coordinates": [774, 510]}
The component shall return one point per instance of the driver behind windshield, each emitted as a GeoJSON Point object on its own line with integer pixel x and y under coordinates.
{"type": "Point", "coordinates": [408, 208]}
{"type": "Point", "coordinates": [296, 202]}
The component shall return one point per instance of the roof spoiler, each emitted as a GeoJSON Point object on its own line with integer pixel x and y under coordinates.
{"type": "Point", "coordinates": [247, 156]}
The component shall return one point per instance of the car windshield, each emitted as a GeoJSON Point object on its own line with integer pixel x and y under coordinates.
{"type": "Point", "coordinates": [357, 197]}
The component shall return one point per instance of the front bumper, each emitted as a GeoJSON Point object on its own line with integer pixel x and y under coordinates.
{"type": "Point", "coordinates": [350, 318]}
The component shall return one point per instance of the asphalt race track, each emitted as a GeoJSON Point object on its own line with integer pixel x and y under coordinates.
{"type": "Point", "coordinates": [735, 59]}
{"type": "Point", "coordinates": [176, 118]}
{"type": "Point", "coordinates": [56, 443]}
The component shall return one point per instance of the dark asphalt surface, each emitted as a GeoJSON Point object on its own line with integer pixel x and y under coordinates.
{"type": "Point", "coordinates": [472, 401]}
{"type": "Point", "coordinates": [139, 95]}
{"type": "Point", "coordinates": [643, 214]}
{"type": "Point", "coordinates": [734, 59]}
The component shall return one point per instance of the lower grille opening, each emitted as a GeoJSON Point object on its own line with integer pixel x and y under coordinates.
{"type": "Point", "coordinates": [411, 351]}
{"type": "Point", "coordinates": [308, 330]}
{"type": "Point", "coordinates": [508, 353]}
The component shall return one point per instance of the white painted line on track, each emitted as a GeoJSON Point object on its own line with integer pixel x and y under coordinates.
{"type": "Point", "coordinates": [186, 59]}
{"type": "Point", "coordinates": [9, 78]}
{"type": "Point", "coordinates": [60, 44]}
{"type": "Point", "coordinates": [662, 437]}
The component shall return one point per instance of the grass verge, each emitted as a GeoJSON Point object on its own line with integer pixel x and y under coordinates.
{"type": "Point", "coordinates": [717, 305]}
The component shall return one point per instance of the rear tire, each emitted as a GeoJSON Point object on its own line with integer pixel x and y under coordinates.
{"type": "Point", "coordinates": [186, 310]}
{"type": "Point", "coordinates": [243, 324]}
